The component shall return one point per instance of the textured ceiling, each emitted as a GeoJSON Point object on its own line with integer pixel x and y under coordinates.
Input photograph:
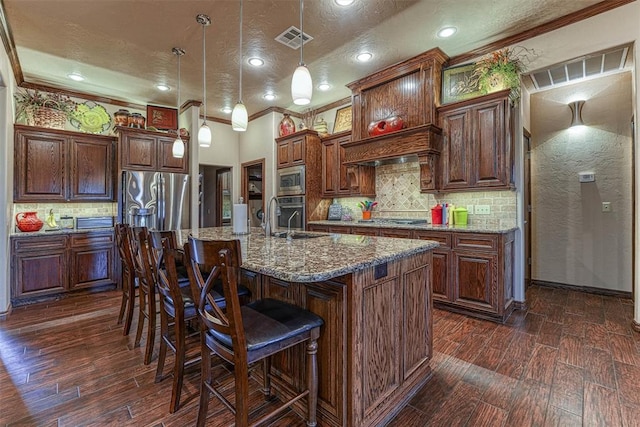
{"type": "Point", "coordinates": [123, 47]}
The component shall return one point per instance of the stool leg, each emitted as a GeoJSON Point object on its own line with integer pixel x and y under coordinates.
{"type": "Point", "coordinates": [162, 353]}
{"type": "Point", "coordinates": [312, 381]}
{"type": "Point", "coordinates": [130, 306]}
{"type": "Point", "coordinates": [205, 374]}
{"type": "Point", "coordinates": [266, 384]}
{"type": "Point", "coordinates": [151, 331]}
{"type": "Point", "coordinates": [178, 370]}
{"type": "Point", "coordinates": [142, 303]}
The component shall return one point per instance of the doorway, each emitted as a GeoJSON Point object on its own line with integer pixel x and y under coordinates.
{"type": "Point", "coordinates": [253, 189]}
{"type": "Point", "coordinates": [214, 196]}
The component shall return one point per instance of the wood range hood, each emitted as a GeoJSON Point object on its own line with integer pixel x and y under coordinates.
{"type": "Point", "coordinates": [409, 89]}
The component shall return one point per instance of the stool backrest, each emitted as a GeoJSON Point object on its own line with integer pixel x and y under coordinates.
{"type": "Point", "coordinates": [124, 246]}
{"type": "Point", "coordinates": [167, 277]}
{"type": "Point", "coordinates": [157, 239]}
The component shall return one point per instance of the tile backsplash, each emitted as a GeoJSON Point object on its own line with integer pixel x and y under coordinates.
{"type": "Point", "coordinates": [67, 209]}
{"type": "Point", "coordinates": [398, 196]}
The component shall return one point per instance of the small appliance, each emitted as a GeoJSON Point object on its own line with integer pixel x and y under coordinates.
{"type": "Point", "coordinates": [291, 181]}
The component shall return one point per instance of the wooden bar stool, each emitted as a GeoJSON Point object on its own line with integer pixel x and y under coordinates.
{"type": "Point", "coordinates": [146, 291]}
{"type": "Point", "coordinates": [128, 278]}
{"type": "Point", "coordinates": [177, 309]}
{"type": "Point", "coordinates": [243, 335]}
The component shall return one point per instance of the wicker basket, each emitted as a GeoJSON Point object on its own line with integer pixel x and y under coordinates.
{"type": "Point", "coordinates": [45, 117]}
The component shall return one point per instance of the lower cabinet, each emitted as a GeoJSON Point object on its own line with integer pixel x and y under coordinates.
{"type": "Point", "coordinates": [472, 272]}
{"type": "Point", "coordinates": [53, 264]}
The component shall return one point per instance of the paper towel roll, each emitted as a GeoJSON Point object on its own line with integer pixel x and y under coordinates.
{"type": "Point", "coordinates": [240, 218]}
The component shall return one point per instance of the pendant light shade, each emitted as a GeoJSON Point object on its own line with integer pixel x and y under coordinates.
{"type": "Point", "coordinates": [204, 133]}
{"type": "Point", "coordinates": [301, 83]}
{"type": "Point", "coordinates": [178, 144]}
{"type": "Point", "coordinates": [301, 86]}
{"type": "Point", "coordinates": [239, 117]}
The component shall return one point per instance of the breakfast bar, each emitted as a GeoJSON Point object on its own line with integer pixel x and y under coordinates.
{"type": "Point", "coordinates": [374, 294]}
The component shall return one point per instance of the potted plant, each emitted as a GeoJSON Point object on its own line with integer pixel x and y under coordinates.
{"type": "Point", "coordinates": [43, 109]}
{"type": "Point", "coordinates": [500, 70]}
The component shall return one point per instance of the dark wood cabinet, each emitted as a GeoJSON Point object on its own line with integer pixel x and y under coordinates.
{"type": "Point", "coordinates": [339, 179]}
{"type": "Point", "coordinates": [92, 259]}
{"type": "Point", "coordinates": [441, 263]}
{"type": "Point", "coordinates": [39, 266]}
{"type": "Point", "coordinates": [144, 150]}
{"type": "Point", "coordinates": [476, 149]}
{"type": "Point", "coordinates": [291, 150]}
{"type": "Point", "coordinates": [57, 166]}
{"type": "Point", "coordinates": [47, 265]}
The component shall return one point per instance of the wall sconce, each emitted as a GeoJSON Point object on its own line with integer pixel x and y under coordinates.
{"type": "Point", "coordinates": [576, 113]}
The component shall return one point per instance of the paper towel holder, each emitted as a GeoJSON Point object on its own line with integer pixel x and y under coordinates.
{"type": "Point", "coordinates": [241, 228]}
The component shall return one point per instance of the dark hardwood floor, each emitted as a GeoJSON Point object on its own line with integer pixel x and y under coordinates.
{"type": "Point", "coordinates": [570, 359]}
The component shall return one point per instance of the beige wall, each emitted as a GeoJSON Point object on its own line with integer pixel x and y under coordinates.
{"type": "Point", "coordinates": [573, 241]}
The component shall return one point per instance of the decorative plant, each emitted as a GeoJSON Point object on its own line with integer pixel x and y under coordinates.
{"type": "Point", "coordinates": [501, 70]}
{"type": "Point", "coordinates": [33, 99]}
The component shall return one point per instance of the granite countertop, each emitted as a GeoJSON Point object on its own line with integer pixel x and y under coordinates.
{"type": "Point", "coordinates": [427, 227]}
{"type": "Point", "coordinates": [315, 259]}
{"type": "Point", "coordinates": [56, 232]}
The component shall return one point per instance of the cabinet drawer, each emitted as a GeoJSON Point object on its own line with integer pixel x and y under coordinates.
{"type": "Point", "coordinates": [487, 242]}
{"type": "Point", "coordinates": [443, 238]}
{"type": "Point", "coordinates": [85, 239]}
{"type": "Point", "coordinates": [40, 243]}
{"type": "Point", "coordinates": [365, 231]}
{"type": "Point", "coordinates": [395, 232]}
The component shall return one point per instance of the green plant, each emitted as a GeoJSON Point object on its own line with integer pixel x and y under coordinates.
{"type": "Point", "coordinates": [500, 70]}
{"type": "Point", "coordinates": [32, 99]}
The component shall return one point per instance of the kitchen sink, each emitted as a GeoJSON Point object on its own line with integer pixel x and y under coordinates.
{"type": "Point", "coordinates": [297, 235]}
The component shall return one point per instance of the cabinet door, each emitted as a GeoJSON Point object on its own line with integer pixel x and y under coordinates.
{"type": "Point", "coordinates": [39, 266]}
{"type": "Point", "coordinates": [166, 162]}
{"type": "Point", "coordinates": [40, 171]}
{"type": "Point", "coordinates": [330, 166]}
{"type": "Point", "coordinates": [457, 149]}
{"type": "Point", "coordinates": [396, 232]}
{"type": "Point", "coordinates": [475, 280]}
{"type": "Point", "coordinates": [92, 174]}
{"type": "Point", "coordinates": [489, 142]}
{"type": "Point", "coordinates": [284, 154]}
{"type": "Point", "coordinates": [442, 288]}
{"type": "Point", "coordinates": [92, 260]}
{"type": "Point", "coordinates": [316, 227]}
{"type": "Point", "coordinates": [362, 180]}
{"type": "Point", "coordinates": [297, 151]}
{"type": "Point", "coordinates": [365, 231]}
{"type": "Point", "coordinates": [138, 152]}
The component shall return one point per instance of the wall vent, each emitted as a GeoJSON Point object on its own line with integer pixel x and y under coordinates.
{"type": "Point", "coordinates": [594, 65]}
{"type": "Point", "coordinates": [291, 37]}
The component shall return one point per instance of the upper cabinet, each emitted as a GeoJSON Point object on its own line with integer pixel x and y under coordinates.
{"type": "Point", "coordinates": [339, 179]}
{"type": "Point", "coordinates": [476, 149]}
{"type": "Point", "coordinates": [299, 148]}
{"type": "Point", "coordinates": [57, 166]}
{"type": "Point", "coordinates": [144, 150]}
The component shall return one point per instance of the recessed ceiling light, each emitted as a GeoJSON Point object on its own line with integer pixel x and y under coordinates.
{"type": "Point", "coordinates": [447, 32]}
{"type": "Point", "coordinates": [162, 87]}
{"type": "Point", "coordinates": [256, 62]}
{"type": "Point", "coordinates": [364, 56]}
{"type": "Point", "coordinates": [75, 76]}
{"type": "Point", "coordinates": [227, 110]}
{"type": "Point", "coordinates": [324, 86]}
{"type": "Point", "coordinates": [344, 2]}
{"type": "Point", "coordinates": [269, 96]}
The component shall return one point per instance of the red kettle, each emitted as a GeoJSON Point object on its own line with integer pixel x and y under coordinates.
{"type": "Point", "coordinates": [28, 222]}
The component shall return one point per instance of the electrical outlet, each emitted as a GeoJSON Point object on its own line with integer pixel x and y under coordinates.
{"type": "Point", "coordinates": [483, 210]}
{"type": "Point", "coordinates": [469, 209]}
{"type": "Point", "coordinates": [606, 206]}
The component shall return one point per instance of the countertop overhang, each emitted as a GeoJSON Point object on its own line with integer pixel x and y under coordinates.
{"type": "Point", "coordinates": [314, 259]}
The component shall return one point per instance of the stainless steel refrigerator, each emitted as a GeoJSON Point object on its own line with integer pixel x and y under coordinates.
{"type": "Point", "coordinates": [156, 200]}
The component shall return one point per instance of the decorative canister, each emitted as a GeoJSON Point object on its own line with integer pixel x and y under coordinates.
{"type": "Point", "coordinates": [29, 221]}
{"type": "Point", "coordinates": [287, 126]}
{"type": "Point", "coordinates": [136, 120]}
{"type": "Point", "coordinates": [390, 124]}
{"type": "Point", "coordinates": [321, 127]}
{"type": "Point", "coordinates": [121, 117]}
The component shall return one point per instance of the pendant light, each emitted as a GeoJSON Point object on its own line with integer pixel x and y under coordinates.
{"type": "Point", "coordinates": [204, 133]}
{"type": "Point", "coordinates": [178, 144]}
{"type": "Point", "coordinates": [239, 118]}
{"type": "Point", "coordinates": [301, 84]}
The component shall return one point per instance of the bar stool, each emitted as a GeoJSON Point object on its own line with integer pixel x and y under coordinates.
{"type": "Point", "coordinates": [128, 278]}
{"type": "Point", "coordinates": [177, 309]}
{"type": "Point", "coordinates": [242, 335]}
{"type": "Point", "coordinates": [146, 291]}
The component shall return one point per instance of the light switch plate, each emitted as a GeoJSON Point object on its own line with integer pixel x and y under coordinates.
{"type": "Point", "coordinates": [483, 210]}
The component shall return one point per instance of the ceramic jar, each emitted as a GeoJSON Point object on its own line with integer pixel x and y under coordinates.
{"type": "Point", "coordinates": [28, 221]}
{"type": "Point", "coordinates": [387, 125]}
{"type": "Point", "coordinates": [121, 118]}
{"type": "Point", "coordinates": [287, 126]}
{"type": "Point", "coordinates": [136, 120]}
{"type": "Point", "coordinates": [321, 127]}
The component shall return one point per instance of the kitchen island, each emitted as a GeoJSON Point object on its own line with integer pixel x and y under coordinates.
{"type": "Point", "coordinates": [374, 294]}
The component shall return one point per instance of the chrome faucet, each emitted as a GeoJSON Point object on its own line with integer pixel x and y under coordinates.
{"type": "Point", "coordinates": [266, 217]}
{"type": "Point", "coordinates": [289, 235]}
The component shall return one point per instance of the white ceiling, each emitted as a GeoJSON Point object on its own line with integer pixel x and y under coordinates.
{"type": "Point", "coordinates": [123, 47]}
